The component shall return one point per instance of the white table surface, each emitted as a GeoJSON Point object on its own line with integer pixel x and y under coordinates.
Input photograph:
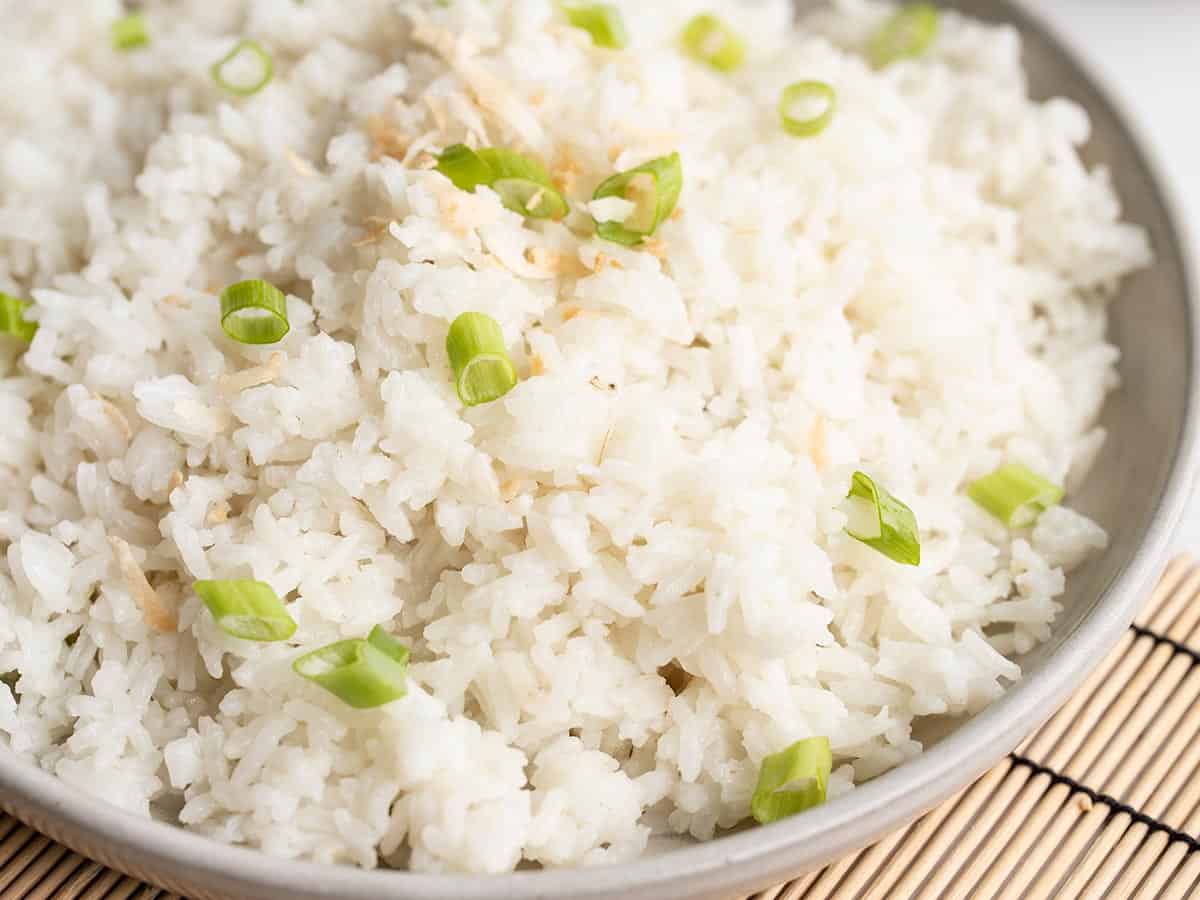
{"type": "Point", "coordinates": [1147, 52]}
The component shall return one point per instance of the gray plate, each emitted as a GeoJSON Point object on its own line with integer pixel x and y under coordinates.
{"type": "Point", "coordinates": [1137, 491]}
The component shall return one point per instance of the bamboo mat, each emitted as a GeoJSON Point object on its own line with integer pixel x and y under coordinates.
{"type": "Point", "coordinates": [1101, 802]}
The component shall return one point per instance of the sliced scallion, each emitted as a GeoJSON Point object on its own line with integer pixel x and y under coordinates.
{"type": "Point", "coordinates": [882, 522]}
{"type": "Point", "coordinates": [246, 609]}
{"type": "Point", "coordinates": [388, 643]}
{"type": "Point", "coordinates": [129, 32]}
{"type": "Point", "coordinates": [653, 188]}
{"type": "Point", "coordinates": [523, 185]}
{"type": "Point", "coordinates": [483, 371]}
{"type": "Point", "coordinates": [361, 673]}
{"type": "Point", "coordinates": [1015, 494]}
{"type": "Point", "coordinates": [806, 108]}
{"type": "Point", "coordinates": [711, 41]}
{"type": "Point", "coordinates": [244, 70]}
{"type": "Point", "coordinates": [254, 312]}
{"type": "Point", "coordinates": [601, 20]}
{"type": "Point", "coordinates": [792, 780]}
{"type": "Point", "coordinates": [908, 33]}
{"type": "Point", "coordinates": [12, 318]}
{"type": "Point", "coordinates": [464, 168]}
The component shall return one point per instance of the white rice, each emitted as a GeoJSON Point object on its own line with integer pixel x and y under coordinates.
{"type": "Point", "coordinates": [918, 293]}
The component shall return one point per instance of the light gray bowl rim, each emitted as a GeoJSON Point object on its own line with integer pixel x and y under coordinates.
{"type": "Point", "coordinates": [742, 861]}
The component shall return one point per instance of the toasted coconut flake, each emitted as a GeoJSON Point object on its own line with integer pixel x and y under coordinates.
{"type": "Point", "coordinates": [489, 93]}
{"type": "Point", "coordinates": [566, 170]}
{"type": "Point", "coordinates": [677, 214]}
{"type": "Point", "coordinates": [175, 480]}
{"type": "Point", "coordinates": [116, 417]}
{"type": "Point", "coordinates": [437, 109]}
{"type": "Point", "coordinates": [177, 301]}
{"type": "Point", "coordinates": [551, 262]}
{"type": "Point", "coordinates": [569, 313]}
{"type": "Point", "coordinates": [510, 489]}
{"type": "Point", "coordinates": [537, 365]}
{"type": "Point", "coordinates": [614, 150]}
{"type": "Point", "coordinates": [452, 211]}
{"type": "Point", "coordinates": [441, 40]}
{"type": "Point", "coordinates": [537, 98]}
{"type": "Point", "coordinates": [218, 513]}
{"type": "Point", "coordinates": [676, 676]}
{"type": "Point", "coordinates": [600, 385]}
{"type": "Point", "coordinates": [376, 228]}
{"type": "Point", "coordinates": [155, 612]}
{"type": "Point", "coordinates": [253, 376]}
{"type": "Point", "coordinates": [816, 443]}
{"type": "Point", "coordinates": [299, 164]}
{"type": "Point", "coordinates": [604, 445]}
{"type": "Point", "coordinates": [386, 139]}
{"type": "Point", "coordinates": [494, 96]}
{"type": "Point", "coordinates": [655, 247]}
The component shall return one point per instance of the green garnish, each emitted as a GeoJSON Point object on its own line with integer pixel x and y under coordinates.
{"type": "Point", "coordinates": [792, 780]}
{"type": "Point", "coordinates": [482, 370]}
{"type": "Point", "coordinates": [907, 34]}
{"type": "Point", "coordinates": [523, 185]}
{"type": "Point", "coordinates": [653, 188]}
{"type": "Point", "coordinates": [882, 522]}
{"type": "Point", "coordinates": [244, 70]}
{"type": "Point", "coordinates": [809, 93]}
{"type": "Point", "coordinates": [12, 318]}
{"type": "Point", "coordinates": [711, 41]}
{"type": "Point", "coordinates": [1015, 494]}
{"type": "Point", "coordinates": [361, 673]}
{"type": "Point", "coordinates": [246, 609]}
{"type": "Point", "coordinates": [254, 312]}
{"type": "Point", "coordinates": [129, 32]}
{"type": "Point", "coordinates": [601, 20]}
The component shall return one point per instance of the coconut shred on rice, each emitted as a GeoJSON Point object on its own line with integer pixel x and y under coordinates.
{"type": "Point", "coordinates": [635, 551]}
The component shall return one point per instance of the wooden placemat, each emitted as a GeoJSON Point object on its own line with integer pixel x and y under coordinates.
{"type": "Point", "coordinates": [1101, 802]}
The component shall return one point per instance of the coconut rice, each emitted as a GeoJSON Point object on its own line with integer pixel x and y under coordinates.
{"type": "Point", "coordinates": [626, 582]}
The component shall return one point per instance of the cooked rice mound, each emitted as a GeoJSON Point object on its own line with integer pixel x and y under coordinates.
{"type": "Point", "coordinates": [627, 581]}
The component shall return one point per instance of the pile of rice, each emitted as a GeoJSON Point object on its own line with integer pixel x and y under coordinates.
{"type": "Point", "coordinates": [627, 581]}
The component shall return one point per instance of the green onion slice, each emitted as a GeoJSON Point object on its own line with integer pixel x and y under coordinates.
{"type": "Point", "coordinates": [129, 32]}
{"type": "Point", "coordinates": [523, 185]}
{"type": "Point", "coordinates": [882, 522]}
{"type": "Point", "coordinates": [254, 312]}
{"type": "Point", "coordinates": [246, 609]}
{"type": "Point", "coordinates": [244, 70]}
{"type": "Point", "coordinates": [482, 370]}
{"type": "Point", "coordinates": [653, 188]}
{"type": "Point", "coordinates": [1015, 494]}
{"type": "Point", "coordinates": [601, 20]}
{"type": "Point", "coordinates": [908, 33]}
{"type": "Point", "coordinates": [711, 41]}
{"type": "Point", "coordinates": [386, 643]}
{"type": "Point", "coordinates": [12, 318]}
{"type": "Point", "coordinates": [361, 673]}
{"type": "Point", "coordinates": [792, 780]}
{"type": "Point", "coordinates": [464, 168]}
{"type": "Point", "coordinates": [817, 97]}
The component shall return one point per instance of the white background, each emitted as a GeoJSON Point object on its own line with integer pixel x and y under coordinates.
{"type": "Point", "coordinates": [1147, 53]}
